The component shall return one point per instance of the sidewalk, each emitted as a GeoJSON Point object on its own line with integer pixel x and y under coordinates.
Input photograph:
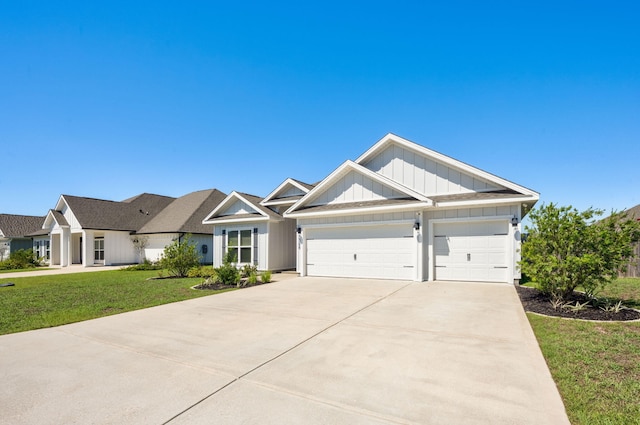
{"type": "Point", "coordinates": [76, 268]}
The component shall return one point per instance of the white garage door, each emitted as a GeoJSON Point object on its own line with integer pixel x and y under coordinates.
{"type": "Point", "coordinates": [382, 251]}
{"type": "Point", "coordinates": [475, 251]}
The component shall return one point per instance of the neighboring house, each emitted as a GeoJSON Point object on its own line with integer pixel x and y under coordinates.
{"type": "Point", "coordinates": [182, 216]}
{"type": "Point", "coordinates": [92, 231]}
{"type": "Point", "coordinates": [254, 229]}
{"type": "Point", "coordinates": [633, 268]}
{"type": "Point", "coordinates": [15, 231]}
{"type": "Point", "coordinates": [402, 211]}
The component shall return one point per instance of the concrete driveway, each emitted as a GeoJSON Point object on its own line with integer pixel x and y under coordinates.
{"type": "Point", "coordinates": [299, 351]}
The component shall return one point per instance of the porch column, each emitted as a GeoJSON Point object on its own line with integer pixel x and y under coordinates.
{"type": "Point", "coordinates": [65, 246]}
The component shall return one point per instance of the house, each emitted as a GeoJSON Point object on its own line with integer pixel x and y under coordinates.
{"type": "Point", "coordinates": [15, 231]}
{"type": "Point", "coordinates": [92, 231]}
{"type": "Point", "coordinates": [403, 211]}
{"type": "Point", "coordinates": [254, 228]}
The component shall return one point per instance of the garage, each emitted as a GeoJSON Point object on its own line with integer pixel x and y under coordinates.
{"type": "Point", "coordinates": [376, 251]}
{"type": "Point", "coordinates": [472, 251]}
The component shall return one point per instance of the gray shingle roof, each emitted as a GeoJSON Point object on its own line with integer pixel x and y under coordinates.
{"type": "Point", "coordinates": [359, 204]}
{"type": "Point", "coordinates": [185, 214]}
{"type": "Point", "coordinates": [130, 215]}
{"type": "Point", "coordinates": [475, 196]}
{"type": "Point", "coordinates": [18, 226]}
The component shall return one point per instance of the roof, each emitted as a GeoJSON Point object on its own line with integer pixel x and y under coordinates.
{"type": "Point", "coordinates": [262, 213]}
{"type": "Point", "coordinates": [130, 214]}
{"type": "Point", "coordinates": [19, 226]}
{"type": "Point", "coordinates": [634, 212]}
{"type": "Point", "coordinates": [361, 204]}
{"type": "Point", "coordinates": [185, 214]}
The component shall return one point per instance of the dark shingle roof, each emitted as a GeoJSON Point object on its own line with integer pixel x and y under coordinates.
{"type": "Point", "coordinates": [129, 215]}
{"type": "Point", "coordinates": [475, 196]}
{"type": "Point", "coordinates": [19, 226]}
{"type": "Point", "coordinates": [359, 204]}
{"type": "Point", "coordinates": [185, 214]}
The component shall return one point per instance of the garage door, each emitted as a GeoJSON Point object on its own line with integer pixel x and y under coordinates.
{"type": "Point", "coordinates": [472, 251]}
{"type": "Point", "coordinates": [384, 252]}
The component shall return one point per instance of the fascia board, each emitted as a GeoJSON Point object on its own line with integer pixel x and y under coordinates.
{"type": "Point", "coordinates": [282, 185]}
{"type": "Point", "coordinates": [281, 202]}
{"type": "Point", "coordinates": [485, 202]}
{"type": "Point", "coordinates": [318, 188]}
{"type": "Point", "coordinates": [361, 210]}
{"type": "Point", "coordinates": [226, 202]}
{"type": "Point", "coordinates": [391, 138]}
{"type": "Point", "coordinates": [232, 220]}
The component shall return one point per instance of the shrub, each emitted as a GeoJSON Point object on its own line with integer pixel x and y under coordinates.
{"type": "Point", "coordinates": [247, 270]}
{"type": "Point", "coordinates": [252, 279]}
{"type": "Point", "coordinates": [566, 248]}
{"type": "Point", "coordinates": [180, 257]}
{"type": "Point", "coordinates": [207, 272]}
{"type": "Point", "coordinates": [265, 276]}
{"type": "Point", "coordinates": [20, 259]}
{"type": "Point", "coordinates": [227, 273]}
{"type": "Point", "coordinates": [145, 265]}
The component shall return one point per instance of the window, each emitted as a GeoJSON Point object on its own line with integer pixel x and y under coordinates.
{"type": "Point", "coordinates": [48, 249]}
{"type": "Point", "coordinates": [239, 244]}
{"type": "Point", "coordinates": [98, 249]}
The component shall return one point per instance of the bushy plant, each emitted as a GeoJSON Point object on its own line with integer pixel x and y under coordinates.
{"type": "Point", "coordinates": [145, 265]}
{"type": "Point", "coordinates": [20, 259]}
{"type": "Point", "coordinates": [180, 256]}
{"type": "Point", "coordinates": [265, 276]}
{"type": "Point", "coordinates": [247, 270]}
{"type": "Point", "coordinates": [566, 248]}
{"type": "Point", "coordinates": [206, 272]}
{"type": "Point", "coordinates": [227, 273]}
{"type": "Point", "coordinates": [252, 279]}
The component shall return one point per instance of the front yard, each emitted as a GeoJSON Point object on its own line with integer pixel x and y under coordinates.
{"type": "Point", "coordinates": [596, 365]}
{"type": "Point", "coordinates": [53, 300]}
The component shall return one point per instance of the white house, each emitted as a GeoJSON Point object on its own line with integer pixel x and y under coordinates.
{"type": "Point", "coordinates": [15, 233]}
{"type": "Point", "coordinates": [90, 231]}
{"type": "Point", "coordinates": [402, 211]}
{"type": "Point", "coordinates": [254, 228]}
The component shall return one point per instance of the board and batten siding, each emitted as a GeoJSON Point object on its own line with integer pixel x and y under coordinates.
{"type": "Point", "coordinates": [423, 174]}
{"type": "Point", "coordinates": [353, 187]}
{"type": "Point", "coordinates": [292, 191]}
{"type": "Point", "coordinates": [282, 245]}
{"type": "Point", "coordinates": [239, 207]}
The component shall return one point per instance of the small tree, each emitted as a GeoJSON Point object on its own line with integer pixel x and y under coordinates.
{"type": "Point", "coordinates": [179, 257]}
{"type": "Point", "coordinates": [566, 248]}
{"type": "Point", "coordinates": [140, 242]}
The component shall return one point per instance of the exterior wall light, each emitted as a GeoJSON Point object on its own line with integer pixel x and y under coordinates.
{"type": "Point", "coordinates": [299, 230]}
{"type": "Point", "coordinates": [514, 221]}
{"type": "Point", "coordinates": [416, 225]}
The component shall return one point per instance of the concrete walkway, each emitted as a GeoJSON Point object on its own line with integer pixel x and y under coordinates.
{"type": "Point", "coordinates": [58, 270]}
{"type": "Point", "coordinates": [299, 351]}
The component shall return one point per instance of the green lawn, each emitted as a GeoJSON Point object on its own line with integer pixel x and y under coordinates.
{"type": "Point", "coordinates": [45, 301]}
{"type": "Point", "coordinates": [596, 365]}
{"type": "Point", "coordinates": [24, 270]}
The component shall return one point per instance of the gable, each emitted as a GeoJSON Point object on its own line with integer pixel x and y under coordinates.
{"type": "Point", "coordinates": [291, 191]}
{"type": "Point", "coordinates": [425, 175]}
{"type": "Point", "coordinates": [237, 208]}
{"type": "Point", "coordinates": [355, 187]}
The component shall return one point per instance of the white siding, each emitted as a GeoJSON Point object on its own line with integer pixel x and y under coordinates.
{"type": "Point", "coordinates": [239, 207]}
{"type": "Point", "coordinates": [219, 241]}
{"type": "Point", "coordinates": [423, 174]}
{"type": "Point", "coordinates": [291, 191]}
{"type": "Point", "coordinates": [282, 245]}
{"type": "Point", "coordinates": [354, 187]}
{"type": "Point", "coordinates": [118, 248]}
{"type": "Point", "coordinates": [157, 243]}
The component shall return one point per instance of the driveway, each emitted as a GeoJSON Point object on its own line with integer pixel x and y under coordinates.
{"type": "Point", "coordinates": [299, 351]}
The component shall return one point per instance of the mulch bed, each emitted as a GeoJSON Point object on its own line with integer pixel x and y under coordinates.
{"type": "Point", "coordinates": [535, 302]}
{"type": "Point", "coordinates": [214, 286]}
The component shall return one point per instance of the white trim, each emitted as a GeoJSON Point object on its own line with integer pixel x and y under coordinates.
{"type": "Point", "coordinates": [209, 218]}
{"type": "Point", "coordinates": [290, 181]}
{"type": "Point", "coordinates": [471, 203]}
{"type": "Point", "coordinates": [360, 210]}
{"type": "Point", "coordinates": [358, 224]}
{"type": "Point", "coordinates": [391, 138]}
{"type": "Point", "coordinates": [352, 166]}
{"type": "Point", "coordinates": [510, 235]}
{"type": "Point", "coordinates": [230, 220]}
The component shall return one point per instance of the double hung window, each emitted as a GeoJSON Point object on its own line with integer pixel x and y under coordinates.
{"type": "Point", "coordinates": [239, 244]}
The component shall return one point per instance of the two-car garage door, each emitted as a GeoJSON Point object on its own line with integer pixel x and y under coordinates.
{"type": "Point", "coordinates": [382, 251]}
{"type": "Point", "coordinates": [476, 251]}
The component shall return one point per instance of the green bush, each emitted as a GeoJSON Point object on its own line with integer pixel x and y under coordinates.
{"type": "Point", "coordinates": [247, 270]}
{"type": "Point", "coordinates": [206, 272]}
{"type": "Point", "coordinates": [145, 265]}
{"type": "Point", "coordinates": [265, 276]}
{"type": "Point", "coordinates": [227, 273]}
{"type": "Point", "coordinates": [252, 279]}
{"type": "Point", "coordinates": [180, 256]}
{"type": "Point", "coordinates": [20, 259]}
{"type": "Point", "coordinates": [567, 248]}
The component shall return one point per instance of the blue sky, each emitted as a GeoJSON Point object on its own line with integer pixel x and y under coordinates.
{"type": "Point", "coordinates": [109, 100]}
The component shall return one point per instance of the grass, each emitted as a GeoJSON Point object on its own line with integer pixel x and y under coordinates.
{"type": "Point", "coordinates": [596, 365]}
{"type": "Point", "coordinates": [44, 301]}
